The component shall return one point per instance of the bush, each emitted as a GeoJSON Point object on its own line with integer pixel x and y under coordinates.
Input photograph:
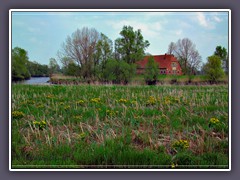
{"type": "Point", "coordinates": [151, 72]}
{"type": "Point", "coordinates": [117, 72]}
{"type": "Point", "coordinates": [214, 69]}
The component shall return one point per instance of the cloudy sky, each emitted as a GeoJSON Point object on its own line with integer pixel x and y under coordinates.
{"type": "Point", "coordinates": [42, 33]}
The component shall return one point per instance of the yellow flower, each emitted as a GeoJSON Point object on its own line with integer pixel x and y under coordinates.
{"type": "Point", "coordinates": [181, 144]}
{"type": "Point", "coordinates": [66, 107]}
{"type": "Point", "coordinates": [214, 121]}
{"type": "Point", "coordinates": [82, 135]}
{"type": "Point", "coordinates": [122, 100]}
{"type": "Point", "coordinates": [95, 100]}
{"type": "Point", "coordinates": [80, 102]}
{"type": "Point", "coordinates": [17, 114]}
{"type": "Point", "coordinates": [151, 100]}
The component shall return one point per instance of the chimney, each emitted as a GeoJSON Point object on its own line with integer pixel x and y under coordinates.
{"type": "Point", "coordinates": [165, 56]}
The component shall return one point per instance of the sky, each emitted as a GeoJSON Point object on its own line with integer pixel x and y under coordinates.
{"type": "Point", "coordinates": [41, 34]}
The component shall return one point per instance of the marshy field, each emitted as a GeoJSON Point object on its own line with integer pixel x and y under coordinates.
{"type": "Point", "coordinates": [90, 126]}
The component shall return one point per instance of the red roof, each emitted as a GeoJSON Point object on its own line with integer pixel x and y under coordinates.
{"type": "Point", "coordinates": [164, 61]}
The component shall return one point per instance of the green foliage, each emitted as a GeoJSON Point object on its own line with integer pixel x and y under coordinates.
{"type": "Point", "coordinates": [151, 72]}
{"type": "Point", "coordinates": [53, 66]}
{"type": "Point", "coordinates": [19, 64]}
{"type": "Point", "coordinates": [222, 53]}
{"type": "Point", "coordinates": [103, 50]}
{"type": "Point", "coordinates": [37, 70]}
{"type": "Point", "coordinates": [71, 69]}
{"type": "Point", "coordinates": [214, 69]}
{"type": "Point", "coordinates": [118, 71]}
{"type": "Point", "coordinates": [131, 46]}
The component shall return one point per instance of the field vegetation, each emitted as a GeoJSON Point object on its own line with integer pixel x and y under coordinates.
{"type": "Point", "coordinates": [119, 126]}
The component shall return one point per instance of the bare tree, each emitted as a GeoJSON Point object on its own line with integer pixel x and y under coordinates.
{"type": "Point", "coordinates": [171, 48]}
{"type": "Point", "coordinates": [80, 47]}
{"type": "Point", "coordinates": [188, 56]}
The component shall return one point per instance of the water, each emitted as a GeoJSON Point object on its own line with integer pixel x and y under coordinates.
{"type": "Point", "coordinates": [36, 80]}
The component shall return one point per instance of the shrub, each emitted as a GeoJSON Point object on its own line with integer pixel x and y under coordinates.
{"type": "Point", "coordinates": [151, 72]}
{"type": "Point", "coordinates": [118, 72]}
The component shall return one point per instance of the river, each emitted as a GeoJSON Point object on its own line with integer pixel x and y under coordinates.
{"type": "Point", "coordinates": [36, 80]}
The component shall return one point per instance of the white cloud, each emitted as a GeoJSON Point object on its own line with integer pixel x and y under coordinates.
{"type": "Point", "coordinates": [202, 19]}
{"type": "Point", "coordinates": [217, 19]}
{"type": "Point", "coordinates": [148, 29]}
{"type": "Point", "coordinates": [208, 21]}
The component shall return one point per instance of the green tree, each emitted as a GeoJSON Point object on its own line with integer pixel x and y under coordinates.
{"type": "Point", "coordinates": [222, 53]}
{"type": "Point", "coordinates": [131, 45]}
{"type": "Point", "coordinates": [19, 64]}
{"type": "Point", "coordinates": [37, 70]}
{"type": "Point", "coordinates": [118, 72]}
{"type": "Point", "coordinates": [53, 66]}
{"type": "Point", "coordinates": [151, 72]}
{"type": "Point", "coordinates": [104, 49]}
{"type": "Point", "coordinates": [213, 68]}
{"type": "Point", "coordinates": [71, 69]}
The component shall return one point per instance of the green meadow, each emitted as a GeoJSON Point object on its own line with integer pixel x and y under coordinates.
{"type": "Point", "coordinates": [119, 126]}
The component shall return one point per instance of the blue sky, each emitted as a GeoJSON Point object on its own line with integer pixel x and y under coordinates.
{"type": "Point", "coordinates": [42, 33]}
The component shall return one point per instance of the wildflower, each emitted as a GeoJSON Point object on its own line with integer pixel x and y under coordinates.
{"type": "Point", "coordinates": [80, 102]}
{"type": "Point", "coordinates": [66, 107]}
{"type": "Point", "coordinates": [82, 135]}
{"type": "Point", "coordinates": [214, 122]}
{"type": "Point", "coordinates": [174, 165]}
{"type": "Point", "coordinates": [181, 144]}
{"type": "Point", "coordinates": [151, 100]}
{"type": "Point", "coordinates": [36, 122]}
{"type": "Point", "coordinates": [122, 100]}
{"type": "Point", "coordinates": [17, 114]}
{"type": "Point", "coordinates": [40, 124]}
{"type": "Point", "coordinates": [111, 112]}
{"type": "Point", "coordinates": [95, 100]}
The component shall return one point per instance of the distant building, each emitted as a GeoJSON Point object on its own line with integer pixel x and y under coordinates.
{"type": "Point", "coordinates": [167, 64]}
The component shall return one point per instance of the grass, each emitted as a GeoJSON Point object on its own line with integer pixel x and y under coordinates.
{"type": "Point", "coordinates": [119, 126]}
{"type": "Point", "coordinates": [139, 80]}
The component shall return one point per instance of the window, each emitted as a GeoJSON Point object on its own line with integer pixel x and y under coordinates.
{"type": "Point", "coordinates": [174, 64]}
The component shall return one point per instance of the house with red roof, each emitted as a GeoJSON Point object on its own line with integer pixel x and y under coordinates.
{"type": "Point", "coordinates": [167, 64]}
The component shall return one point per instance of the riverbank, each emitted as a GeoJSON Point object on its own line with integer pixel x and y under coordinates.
{"type": "Point", "coordinates": [139, 80]}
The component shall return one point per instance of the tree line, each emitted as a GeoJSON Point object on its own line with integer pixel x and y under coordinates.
{"type": "Point", "coordinates": [23, 68]}
{"type": "Point", "coordinates": [92, 56]}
